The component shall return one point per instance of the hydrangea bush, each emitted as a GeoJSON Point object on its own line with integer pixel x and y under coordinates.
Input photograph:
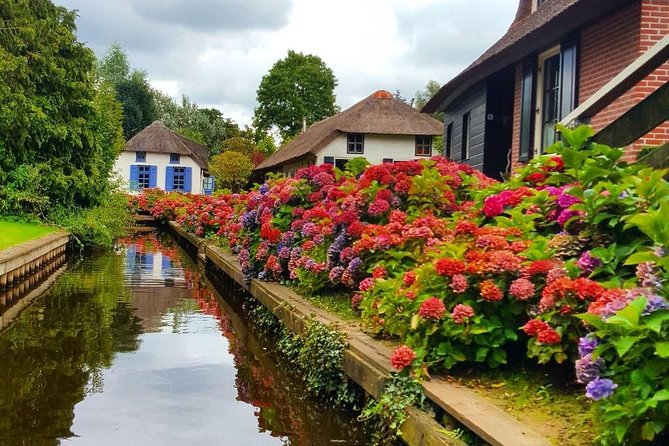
{"type": "Point", "coordinates": [567, 257]}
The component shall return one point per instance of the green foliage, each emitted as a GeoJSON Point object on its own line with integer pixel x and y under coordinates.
{"type": "Point", "coordinates": [231, 170]}
{"type": "Point", "coordinates": [114, 66]}
{"type": "Point", "coordinates": [100, 226]}
{"type": "Point", "coordinates": [205, 125]}
{"type": "Point", "coordinates": [54, 121]}
{"type": "Point", "coordinates": [387, 414]}
{"type": "Point", "coordinates": [356, 166]}
{"type": "Point", "coordinates": [297, 87]}
{"type": "Point", "coordinates": [633, 344]}
{"type": "Point", "coordinates": [239, 144]}
{"type": "Point", "coordinates": [322, 361]}
{"type": "Point", "coordinates": [422, 97]}
{"type": "Point", "coordinates": [139, 108]}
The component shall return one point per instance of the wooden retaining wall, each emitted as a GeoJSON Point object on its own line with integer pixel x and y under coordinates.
{"type": "Point", "coordinates": [17, 262]}
{"type": "Point", "coordinates": [367, 363]}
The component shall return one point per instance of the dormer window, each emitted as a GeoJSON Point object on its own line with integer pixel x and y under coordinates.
{"type": "Point", "coordinates": [140, 157]}
{"type": "Point", "coordinates": [175, 158]}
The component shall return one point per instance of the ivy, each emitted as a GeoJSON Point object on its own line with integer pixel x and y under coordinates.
{"type": "Point", "coordinates": [386, 415]}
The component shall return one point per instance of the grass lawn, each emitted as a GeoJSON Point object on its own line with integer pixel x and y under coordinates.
{"type": "Point", "coordinates": [13, 232]}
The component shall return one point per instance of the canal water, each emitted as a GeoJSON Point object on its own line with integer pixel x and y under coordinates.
{"type": "Point", "coordinates": [135, 347]}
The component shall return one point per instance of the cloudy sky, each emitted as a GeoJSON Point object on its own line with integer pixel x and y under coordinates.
{"type": "Point", "coordinates": [216, 51]}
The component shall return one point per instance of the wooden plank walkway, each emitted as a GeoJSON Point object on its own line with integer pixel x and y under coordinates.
{"type": "Point", "coordinates": [367, 362]}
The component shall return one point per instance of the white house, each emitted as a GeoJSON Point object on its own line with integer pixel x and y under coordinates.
{"type": "Point", "coordinates": [380, 128]}
{"type": "Point", "coordinates": [159, 157]}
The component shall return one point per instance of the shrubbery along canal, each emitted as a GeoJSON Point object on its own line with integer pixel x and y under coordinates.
{"type": "Point", "coordinates": [133, 347]}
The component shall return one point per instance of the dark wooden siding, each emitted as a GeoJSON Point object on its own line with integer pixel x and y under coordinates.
{"type": "Point", "coordinates": [474, 103]}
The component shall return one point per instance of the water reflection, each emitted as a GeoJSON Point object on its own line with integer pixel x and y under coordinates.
{"type": "Point", "coordinates": [133, 348]}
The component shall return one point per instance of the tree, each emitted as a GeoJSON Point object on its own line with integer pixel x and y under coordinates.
{"type": "Point", "coordinates": [422, 97]}
{"type": "Point", "coordinates": [52, 119]}
{"type": "Point", "coordinates": [239, 144]}
{"type": "Point", "coordinates": [296, 88]}
{"type": "Point", "coordinates": [139, 107]}
{"type": "Point", "coordinates": [205, 125]}
{"type": "Point", "coordinates": [114, 66]}
{"type": "Point", "coordinates": [231, 170]}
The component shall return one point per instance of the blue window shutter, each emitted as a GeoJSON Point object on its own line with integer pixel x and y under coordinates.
{"type": "Point", "coordinates": [328, 160]}
{"type": "Point", "coordinates": [153, 176]}
{"type": "Point", "coordinates": [169, 179]}
{"type": "Point", "coordinates": [188, 179]}
{"type": "Point", "coordinates": [134, 177]}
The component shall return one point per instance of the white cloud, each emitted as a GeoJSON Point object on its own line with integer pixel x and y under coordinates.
{"type": "Point", "coordinates": [217, 55]}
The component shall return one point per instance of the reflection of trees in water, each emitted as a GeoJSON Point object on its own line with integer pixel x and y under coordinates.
{"type": "Point", "coordinates": [55, 350]}
{"type": "Point", "coordinates": [282, 407]}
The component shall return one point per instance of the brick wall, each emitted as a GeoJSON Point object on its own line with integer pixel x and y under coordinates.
{"type": "Point", "coordinates": [654, 26]}
{"type": "Point", "coordinates": [606, 48]}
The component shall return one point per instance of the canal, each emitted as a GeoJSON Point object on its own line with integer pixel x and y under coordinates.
{"type": "Point", "coordinates": [135, 346]}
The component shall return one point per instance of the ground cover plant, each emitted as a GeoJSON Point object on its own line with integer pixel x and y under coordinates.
{"type": "Point", "coordinates": [565, 262]}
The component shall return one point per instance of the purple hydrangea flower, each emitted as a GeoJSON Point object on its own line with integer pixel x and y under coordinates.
{"type": "Point", "coordinates": [355, 264]}
{"type": "Point", "coordinates": [600, 388]}
{"type": "Point", "coordinates": [660, 251]}
{"type": "Point", "coordinates": [587, 263]}
{"type": "Point", "coordinates": [264, 189]}
{"type": "Point", "coordinates": [336, 273]}
{"type": "Point", "coordinates": [566, 200]}
{"type": "Point", "coordinates": [655, 303]}
{"type": "Point", "coordinates": [566, 215]}
{"type": "Point", "coordinates": [588, 369]}
{"type": "Point", "coordinates": [586, 345]}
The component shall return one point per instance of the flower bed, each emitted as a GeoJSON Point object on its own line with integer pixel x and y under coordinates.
{"type": "Point", "coordinates": [567, 258]}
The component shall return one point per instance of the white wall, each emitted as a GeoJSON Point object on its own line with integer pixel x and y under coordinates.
{"type": "Point", "coordinates": [162, 160]}
{"type": "Point", "coordinates": [377, 147]}
{"type": "Point", "coordinates": [289, 170]}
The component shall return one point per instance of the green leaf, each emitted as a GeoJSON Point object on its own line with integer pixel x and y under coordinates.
{"type": "Point", "coordinates": [623, 345]}
{"type": "Point", "coordinates": [481, 354]}
{"type": "Point", "coordinates": [415, 321]}
{"type": "Point", "coordinates": [648, 431]}
{"type": "Point", "coordinates": [662, 349]}
{"type": "Point", "coordinates": [592, 319]}
{"type": "Point", "coordinates": [640, 257]}
{"type": "Point", "coordinates": [656, 320]}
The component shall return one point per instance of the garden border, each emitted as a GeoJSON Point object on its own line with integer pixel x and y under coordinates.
{"type": "Point", "coordinates": [25, 258]}
{"type": "Point", "coordinates": [367, 362]}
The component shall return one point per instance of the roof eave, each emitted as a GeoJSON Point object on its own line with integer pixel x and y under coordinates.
{"type": "Point", "coordinates": [577, 16]}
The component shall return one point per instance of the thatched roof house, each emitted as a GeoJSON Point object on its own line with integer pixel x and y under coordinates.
{"type": "Point", "coordinates": [159, 157]}
{"type": "Point", "coordinates": [382, 127]}
{"type": "Point", "coordinates": [156, 138]}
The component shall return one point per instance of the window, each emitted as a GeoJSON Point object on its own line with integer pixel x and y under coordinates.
{"type": "Point", "coordinates": [555, 92]}
{"type": "Point", "coordinates": [208, 184]}
{"type": "Point", "coordinates": [449, 140]}
{"type": "Point", "coordinates": [140, 157]}
{"type": "Point", "coordinates": [179, 178]}
{"type": "Point", "coordinates": [527, 112]}
{"type": "Point", "coordinates": [175, 158]}
{"type": "Point", "coordinates": [144, 176]}
{"type": "Point", "coordinates": [356, 143]}
{"type": "Point", "coordinates": [387, 160]}
{"type": "Point", "coordinates": [423, 146]}
{"type": "Point", "coordinates": [340, 163]}
{"type": "Point", "coordinates": [464, 155]}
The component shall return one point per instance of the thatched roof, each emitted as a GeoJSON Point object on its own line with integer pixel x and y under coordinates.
{"type": "Point", "coordinates": [157, 138]}
{"type": "Point", "coordinates": [530, 32]}
{"type": "Point", "coordinates": [379, 113]}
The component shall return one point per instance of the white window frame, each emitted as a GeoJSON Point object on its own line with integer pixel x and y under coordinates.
{"type": "Point", "coordinates": [539, 96]}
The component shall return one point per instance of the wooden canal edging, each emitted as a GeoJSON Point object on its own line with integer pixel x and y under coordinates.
{"type": "Point", "coordinates": [367, 363]}
{"type": "Point", "coordinates": [24, 259]}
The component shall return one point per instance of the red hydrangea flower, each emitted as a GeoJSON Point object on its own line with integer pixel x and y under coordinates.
{"type": "Point", "coordinates": [409, 278]}
{"type": "Point", "coordinates": [402, 357]}
{"type": "Point", "coordinates": [366, 284]}
{"type": "Point", "coordinates": [432, 308]}
{"type": "Point", "coordinates": [379, 272]}
{"type": "Point", "coordinates": [548, 336]}
{"type": "Point", "coordinates": [534, 326]}
{"type": "Point", "coordinates": [449, 267]}
{"type": "Point", "coordinates": [522, 289]}
{"type": "Point", "coordinates": [490, 291]}
{"type": "Point", "coordinates": [462, 312]}
{"type": "Point", "coordinates": [355, 301]}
